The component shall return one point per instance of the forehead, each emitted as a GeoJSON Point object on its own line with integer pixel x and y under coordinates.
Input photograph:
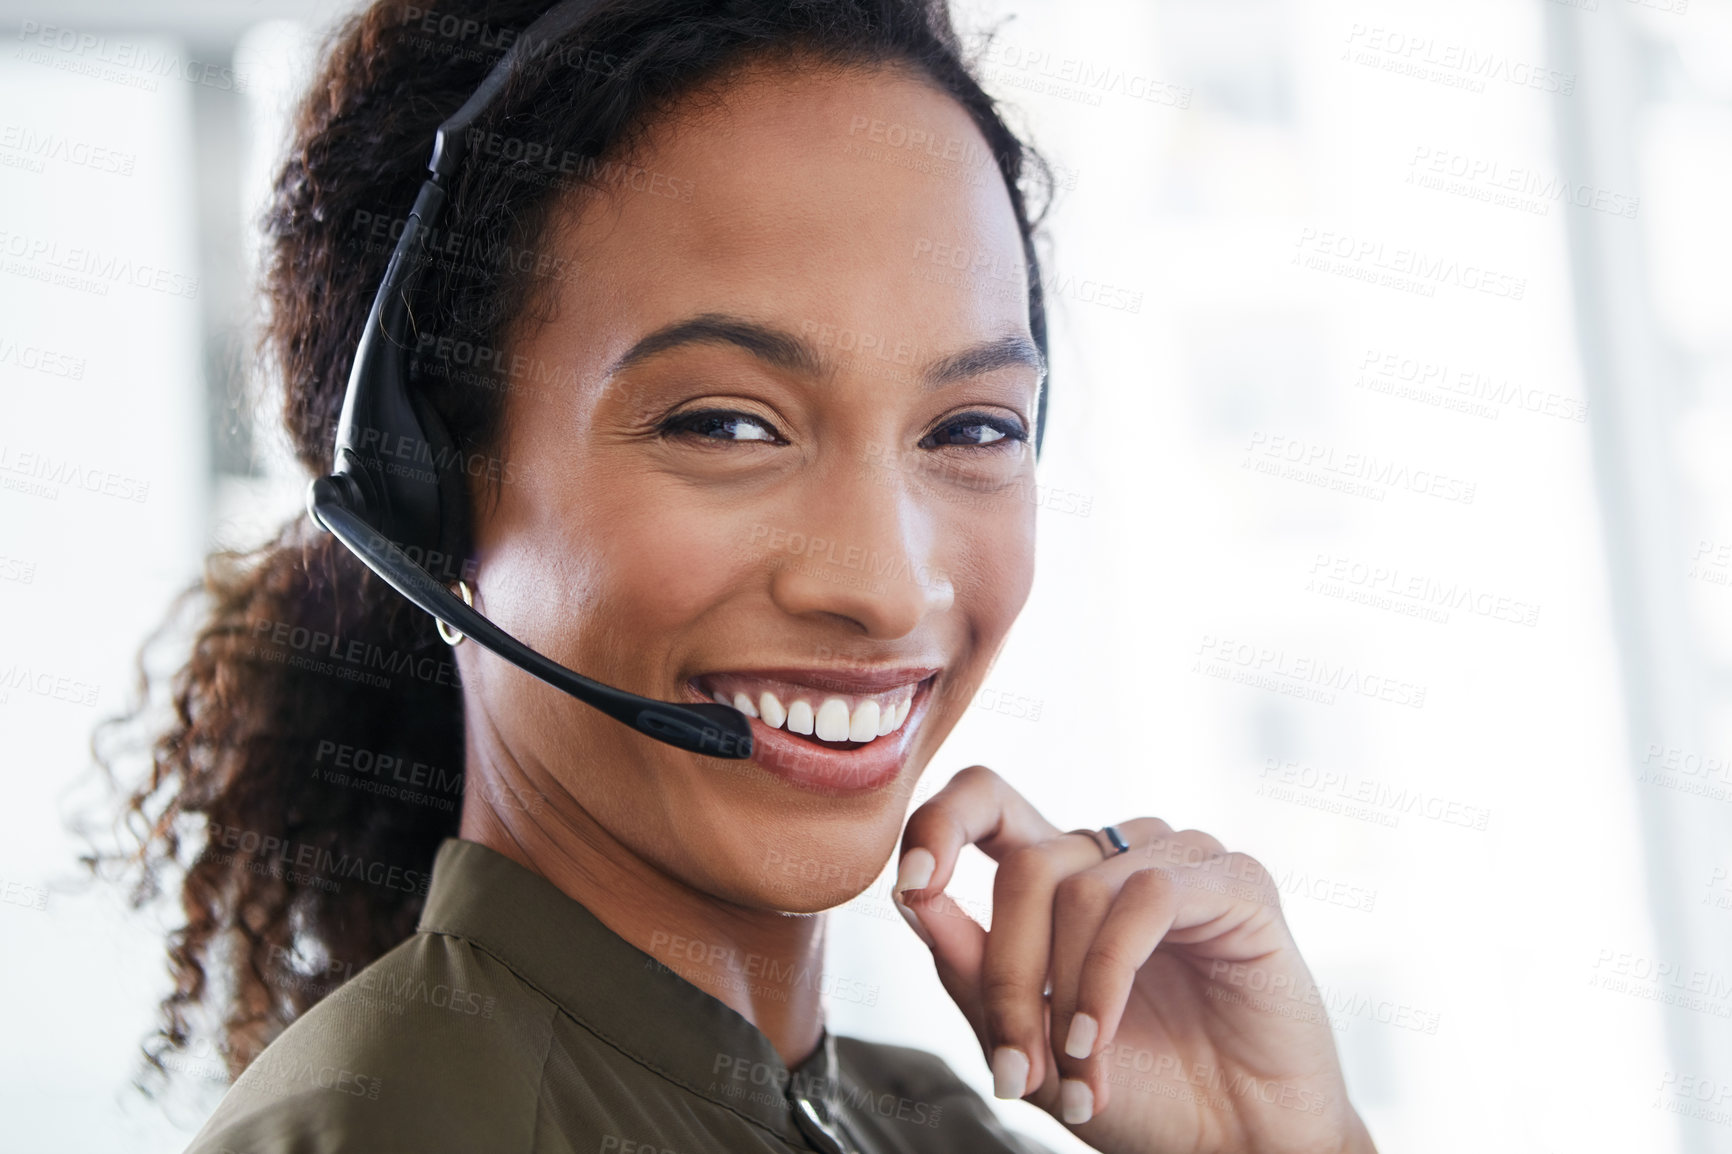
{"type": "Point", "coordinates": [819, 197]}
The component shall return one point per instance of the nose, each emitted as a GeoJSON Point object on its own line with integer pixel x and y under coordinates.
{"type": "Point", "coordinates": [861, 553]}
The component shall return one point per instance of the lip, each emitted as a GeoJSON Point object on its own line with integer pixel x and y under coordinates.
{"type": "Point", "coordinates": [836, 772]}
{"type": "Point", "coordinates": [852, 679]}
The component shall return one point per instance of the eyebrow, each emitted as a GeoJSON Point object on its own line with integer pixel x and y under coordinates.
{"type": "Point", "coordinates": [784, 350]}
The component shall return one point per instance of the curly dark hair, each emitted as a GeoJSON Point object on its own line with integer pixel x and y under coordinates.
{"type": "Point", "coordinates": [313, 761]}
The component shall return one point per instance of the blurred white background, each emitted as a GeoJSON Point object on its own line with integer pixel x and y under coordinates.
{"type": "Point", "coordinates": [1388, 537]}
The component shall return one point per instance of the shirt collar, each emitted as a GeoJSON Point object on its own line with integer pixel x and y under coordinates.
{"type": "Point", "coordinates": [618, 992]}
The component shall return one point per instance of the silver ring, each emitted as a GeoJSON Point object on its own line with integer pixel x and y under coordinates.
{"type": "Point", "coordinates": [1107, 839]}
{"type": "Point", "coordinates": [447, 634]}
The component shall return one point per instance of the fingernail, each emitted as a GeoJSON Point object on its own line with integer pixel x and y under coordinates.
{"type": "Point", "coordinates": [1009, 1072]}
{"type": "Point", "coordinates": [915, 870]}
{"type": "Point", "coordinates": [1083, 1032]}
{"type": "Point", "coordinates": [1076, 1100]}
{"type": "Point", "coordinates": [914, 922]}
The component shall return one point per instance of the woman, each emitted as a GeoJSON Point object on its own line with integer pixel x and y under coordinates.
{"type": "Point", "coordinates": [647, 324]}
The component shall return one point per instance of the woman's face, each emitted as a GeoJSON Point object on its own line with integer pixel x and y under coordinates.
{"type": "Point", "coordinates": [793, 468]}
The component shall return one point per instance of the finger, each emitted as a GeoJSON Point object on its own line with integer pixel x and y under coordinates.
{"type": "Point", "coordinates": [1190, 847]}
{"type": "Point", "coordinates": [1013, 977]}
{"type": "Point", "coordinates": [1019, 949]}
{"type": "Point", "coordinates": [975, 807]}
{"type": "Point", "coordinates": [1125, 910]}
{"type": "Point", "coordinates": [958, 943]}
{"type": "Point", "coordinates": [1109, 920]}
{"type": "Point", "coordinates": [1080, 907]}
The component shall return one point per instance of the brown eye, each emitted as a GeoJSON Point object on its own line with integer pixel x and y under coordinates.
{"type": "Point", "coordinates": [722, 425]}
{"type": "Point", "coordinates": [974, 429]}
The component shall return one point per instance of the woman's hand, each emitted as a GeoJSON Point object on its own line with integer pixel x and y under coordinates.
{"type": "Point", "coordinates": [1180, 1016]}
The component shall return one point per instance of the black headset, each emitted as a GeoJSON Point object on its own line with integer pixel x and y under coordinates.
{"type": "Point", "coordinates": [395, 487]}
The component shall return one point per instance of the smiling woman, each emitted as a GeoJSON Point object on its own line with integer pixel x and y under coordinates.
{"type": "Point", "coordinates": [695, 483]}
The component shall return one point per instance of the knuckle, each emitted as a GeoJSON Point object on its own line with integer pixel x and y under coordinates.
{"type": "Point", "coordinates": [1007, 1011]}
{"type": "Point", "coordinates": [1152, 889]}
{"type": "Point", "coordinates": [1151, 882]}
{"type": "Point", "coordinates": [974, 773]}
{"type": "Point", "coordinates": [1029, 865]}
{"type": "Point", "coordinates": [1206, 841]}
{"type": "Point", "coordinates": [1248, 871]}
{"type": "Point", "coordinates": [1109, 957]}
{"type": "Point", "coordinates": [1084, 889]}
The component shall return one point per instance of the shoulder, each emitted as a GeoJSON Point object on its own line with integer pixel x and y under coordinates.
{"type": "Point", "coordinates": [434, 1047]}
{"type": "Point", "coordinates": [917, 1102]}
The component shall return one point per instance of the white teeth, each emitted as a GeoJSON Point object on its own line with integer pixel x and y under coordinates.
{"type": "Point", "coordinates": [833, 720]}
{"type": "Point", "coordinates": [830, 721]}
{"type": "Point", "coordinates": [864, 726]}
{"type": "Point", "coordinates": [772, 710]}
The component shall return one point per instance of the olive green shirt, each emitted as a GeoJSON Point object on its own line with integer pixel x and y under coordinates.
{"type": "Point", "coordinates": [514, 1020]}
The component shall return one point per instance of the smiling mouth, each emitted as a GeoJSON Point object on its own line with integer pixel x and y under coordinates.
{"type": "Point", "coordinates": [823, 716]}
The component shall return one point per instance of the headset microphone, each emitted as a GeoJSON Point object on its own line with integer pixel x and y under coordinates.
{"type": "Point", "coordinates": [395, 487]}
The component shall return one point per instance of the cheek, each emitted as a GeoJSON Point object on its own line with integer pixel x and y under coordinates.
{"type": "Point", "coordinates": [993, 546]}
{"type": "Point", "coordinates": [663, 562]}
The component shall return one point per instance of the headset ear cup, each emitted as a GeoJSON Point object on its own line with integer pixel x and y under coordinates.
{"type": "Point", "coordinates": [452, 534]}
